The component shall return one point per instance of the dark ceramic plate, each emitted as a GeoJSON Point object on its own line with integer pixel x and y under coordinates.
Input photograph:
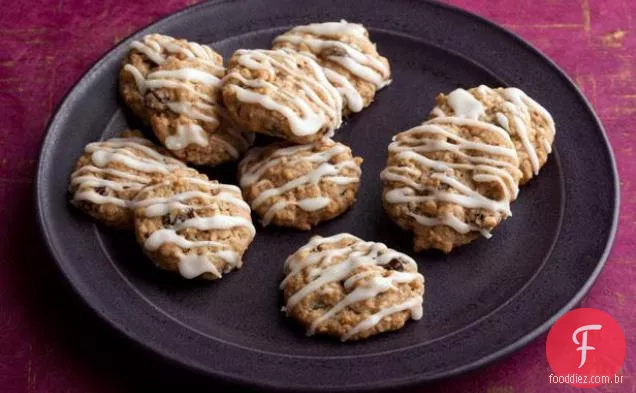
{"type": "Point", "coordinates": [483, 301]}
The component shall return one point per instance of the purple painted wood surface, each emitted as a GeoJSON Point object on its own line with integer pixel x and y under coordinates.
{"type": "Point", "coordinates": [48, 340]}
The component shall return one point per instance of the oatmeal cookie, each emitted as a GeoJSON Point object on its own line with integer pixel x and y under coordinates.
{"type": "Point", "coordinates": [300, 185]}
{"type": "Point", "coordinates": [173, 85]}
{"type": "Point", "coordinates": [345, 287]}
{"type": "Point", "coordinates": [450, 180]}
{"type": "Point", "coordinates": [110, 173]}
{"type": "Point", "coordinates": [350, 60]}
{"type": "Point", "coordinates": [193, 226]}
{"type": "Point", "coordinates": [529, 124]}
{"type": "Point", "coordinates": [281, 93]}
{"type": "Point", "coordinates": [148, 53]}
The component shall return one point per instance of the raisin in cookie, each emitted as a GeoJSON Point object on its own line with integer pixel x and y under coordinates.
{"type": "Point", "coordinates": [345, 287]}
{"type": "Point", "coordinates": [350, 60]}
{"type": "Point", "coordinates": [300, 185]}
{"type": "Point", "coordinates": [281, 93]}
{"type": "Point", "coordinates": [450, 180]}
{"type": "Point", "coordinates": [110, 174]}
{"type": "Point", "coordinates": [529, 124]}
{"type": "Point", "coordinates": [193, 226]}
{"type": "Point", "coordinates": [174, 86]}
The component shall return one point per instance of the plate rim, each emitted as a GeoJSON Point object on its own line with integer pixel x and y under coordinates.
{"type": "Point", "coordinates": [396, 383]}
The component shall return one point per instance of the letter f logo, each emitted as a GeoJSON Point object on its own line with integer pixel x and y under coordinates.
{"type": "Point", "coordinates": [585, 329]}
{"type": "Point", "coordinates": [584, 347]}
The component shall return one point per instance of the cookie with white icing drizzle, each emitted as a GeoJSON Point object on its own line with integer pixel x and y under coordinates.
{"type": "Point", "coordinates": [193, 226]}
{"type": "Point", "coordinates": [450, 180]}
{"type": "Point", "coordinates": [173, 85]}
{"type": "Point", "coordinates": [281, 93]}
{"type": "Point", "coordinates": [300, 185]}
{"type": "Point", "coordinates": [346, 287]}
{"type": "Point", "coordinates": [530, 125]}
{"type": "Point", "coordinates": [350, 60]}
{"type": "Point", "coordinates": [110, 174]}
{"type": "Point", "coordinates": [148, 53]}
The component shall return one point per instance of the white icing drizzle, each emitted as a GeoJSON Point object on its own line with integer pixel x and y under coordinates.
{"type": "Point", "coordinates": [92, 181]}
{"type": "Point", "coordinates": [323, 270]}
{"type": "Point", "coordinates": [322, 41]}
{"type": "Point", "coordinates": [350, 94]}
{"type": "Point", "coordinates": [104, 154]}
{"type": "Point", "coordinates": [516, 119]}
{"type": "Point", "coordinates": [185, 74]}
{"type": "Point", "coordinates": [295, 155]}
{"type": "Point", "coordinates": [520, 105]}
{"type": "Point", "coordinates": [307, 204]}
{"type": "Point", "coordinates": [175, 79]}
{"type": "Point", "coordinates": [159, 206]}
{"type": "Point", "coordinates": [178, 79]}
{"type": "Point", "coordinates": [411, 144]}
{"type": "Point", "coordinates": [157, 48]}
{"type": "Point", "coordinates": [192, 264]}
{"type": "Point", "coordinates": [122, 151]}
{"type": "Point", "coordinates": [502, 120]}
{"type": "Point", "coordinates": [189, 133]}
{"type": "Point", "coordinates": [114, 149]}
{"type": "Point", "coordinates": [333, 29]}
{"type": "Point", "coordinates": [451, 221]}
{"type": "Point", "coordinates": [111, 171]}
{"type": "Point", "coordinates": [465, 105]}
{"type": "Point", "coordinates": [298, 109]}
{"type": "Point", "coordinates": [91, 196]}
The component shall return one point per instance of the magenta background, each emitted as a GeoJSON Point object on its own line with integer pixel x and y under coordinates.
{"type": "Point", "coordinates": [50, 343]}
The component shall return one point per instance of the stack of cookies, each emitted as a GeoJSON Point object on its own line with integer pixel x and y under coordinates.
{"type": "Point", "coordinates": [185, 222]}
{"type": "Point", "coordinates": [448, 180]}
{"type": "Point", "coordinates": [453, 178]}
{"type": "Point", "coordinates": [204, 114]}
{"type": "Point", "coordinates": [299, 91]}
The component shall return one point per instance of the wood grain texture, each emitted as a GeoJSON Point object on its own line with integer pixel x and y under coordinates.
{"type": "Point", "coordinates": [48, 340]}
